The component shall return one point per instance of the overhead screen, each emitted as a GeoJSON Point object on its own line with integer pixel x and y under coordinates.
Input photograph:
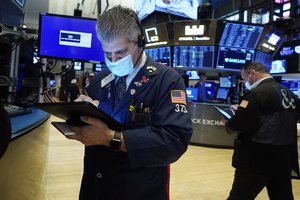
{"type": "Point", "coordinates": [237, 45]}
{"type": "Point", "coordinates": [193, 56]}
{"type": "Point", "coordinates": [160, 54]}
{"type": "Point", "coordinates": [67, 37]}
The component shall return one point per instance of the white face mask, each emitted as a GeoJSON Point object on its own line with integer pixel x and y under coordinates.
{"type": "Point", "coordinates": [247, 84]}
{"type": "Point", "coordinates": [121, 67]}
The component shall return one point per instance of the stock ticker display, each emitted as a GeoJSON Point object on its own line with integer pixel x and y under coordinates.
{"type": "Point", "coordinates": [193, 56]}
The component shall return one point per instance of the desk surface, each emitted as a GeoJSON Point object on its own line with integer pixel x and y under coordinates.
{"type": "Point", "coordinates": [23, 123]}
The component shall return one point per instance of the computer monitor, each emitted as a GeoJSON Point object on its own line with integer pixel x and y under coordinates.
{"type": "Point", "coordinates": [78, 66]}
{"type": "Point", "coordinates": [160, 54]}
{"type": "Point", "coordinates": [271, 41]}
{"type": "Point", "coordinates": [193, 56]}
{"type": "Point", "coordinates": [278, 67]}
{"type": "Point", "coordinates": [264, 58]}
{"type": "Point", "coordinates": [193, 75]}
{"type": "Point", "coordinates": [240, 35]}
{"type": "Point", "coordinates": [222, 93]}
{"type": "Point", "coordinates": [52, 83]}
{"type": "Point", "coordinates": [192, 94]}
{"type": "Point", "coordinates": [98, 67]}
{"type": "Point", "coordinates": [227, 81]}
{"type": "Point", "coordinates": [68, 37]}
{"type": "Point", "coordinates": [231, 58]}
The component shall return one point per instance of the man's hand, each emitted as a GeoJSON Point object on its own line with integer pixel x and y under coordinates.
{"type": "Point", "coordinates": [87, 98]}
{"type": "Point", "coordinates": [96, 133]}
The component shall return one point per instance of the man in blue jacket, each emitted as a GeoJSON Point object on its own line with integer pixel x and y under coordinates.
{"type": "Point", "coordinates": [150, 100]}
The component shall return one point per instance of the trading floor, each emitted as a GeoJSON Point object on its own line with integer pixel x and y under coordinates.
{"type": "Point", "coordinates": [202, 173]}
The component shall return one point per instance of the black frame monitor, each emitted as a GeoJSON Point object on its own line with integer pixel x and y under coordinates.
{"type": "Point", "coordinates": [196, 32]}
{"type": "Point", "coordinates": [69, 38]}
{"type": "Point", "coordinates": [193, 56]}
{"type": "Point", "coordinates": [233, 58]}
{"type": "Point", "coordinates": [240, 35]}
{"type": "Point", "coordinates": [192, 93]}
{"type": "Point", "coordinates": [160, 54]}
{"type": "Point", "coordinates": [271, 40]}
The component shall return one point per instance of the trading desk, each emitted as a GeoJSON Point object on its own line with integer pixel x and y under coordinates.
{"type": "Point", "coordinates": [23, 165]}
{"type": "Point", "coordinates": [209, 130]}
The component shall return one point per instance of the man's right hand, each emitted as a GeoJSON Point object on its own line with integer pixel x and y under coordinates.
{"type": "Point", "coordinates": [88, 99]}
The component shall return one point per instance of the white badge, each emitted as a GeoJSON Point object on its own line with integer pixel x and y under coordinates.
{"type": "Point", "coordinates": [107, 79]}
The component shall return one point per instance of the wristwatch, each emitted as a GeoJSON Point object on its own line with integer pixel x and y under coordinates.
{"type": "Point", "coordinates": [116, 142]}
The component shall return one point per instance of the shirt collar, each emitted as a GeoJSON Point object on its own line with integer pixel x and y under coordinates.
{"type": "Point", "coordinates": [254, 85]}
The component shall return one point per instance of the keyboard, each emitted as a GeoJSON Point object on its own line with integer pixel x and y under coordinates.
{"type": "Point", "coordinates": [14, 110]}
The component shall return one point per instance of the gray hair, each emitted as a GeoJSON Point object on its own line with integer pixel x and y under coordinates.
{"type": "Point", "coordinates": [257, 66]}
{"type": "Point", "coordinates": [118, 22]}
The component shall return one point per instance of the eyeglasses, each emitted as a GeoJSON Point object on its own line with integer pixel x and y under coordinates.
{"type": "Point", "coordinates": [245, 77]}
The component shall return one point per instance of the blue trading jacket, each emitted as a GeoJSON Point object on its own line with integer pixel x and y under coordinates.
{"type": "Point", "coordinates": [158, 130]}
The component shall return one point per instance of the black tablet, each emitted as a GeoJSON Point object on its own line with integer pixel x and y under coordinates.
{"type": "Point", "coordinates": [225, 114]}
{"type": "Point", "coordinates": [71, 112]}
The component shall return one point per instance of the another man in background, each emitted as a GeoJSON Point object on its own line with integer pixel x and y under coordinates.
{"type": "Point", "coordinates": [203, 95]}
{"type": "Point", "coordinates": [265, 152]}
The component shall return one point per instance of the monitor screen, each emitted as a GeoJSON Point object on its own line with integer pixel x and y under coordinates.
{"type": "Point", "coordinates": [210, 87]}
{"type": "Point", "coordinates": [196, 32]}
{"type": "Point", "coordinates": [161, 55]}
{"type": "Point", "coordinates": [222, 93]}
{"type": "Point", "coordinates": [271, 41]}
{"type": "Point", "coordinates": [156, 36]}
{"type": "Point", "coordinates": [193, 75]}
{"type": "Point", "coordinates": [98, 67]}
{"type": "Point", "coordinates": [278, 66]}
{"type": "Point", "coordinates": [78, 66]}
{"type": "Point", "coordinates": [52, 83]}
{"type": "Point", "coordinates": [192, 94]}
{"type": "Point", "coordinates": [184, 8]}
{"type": "Point", "coordinates": [233, 58]}
{"type": "Point", "coordinates": [67, 37]}
{"type": "Point", "coordinates": [227, 81]}
{"type": "Point", "coordinates": [264, 58]}
{"type": "Point", "coordinates": [193, 56]}
{"type": "Point", "coordinates": [240, 35]}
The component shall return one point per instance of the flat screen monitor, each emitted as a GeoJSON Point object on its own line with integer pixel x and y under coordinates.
{"type": "Point", "coordinates": [264, 58]}
{"type": "Point", "coordinates": [240, 35]}
{"type": "Point", "coordinates": [222, 93]}
{"type": "Point", "coordinates": [294, 85]}
{"type": "Point", "coordinates": [233, 58]}
{"type": "Point", "coordinates": [98, 67]}
{"type": "Point", "coordinates": [278, 67]}
{"type": "Point", "coordinates": [193, 75]}
{"type": "Point", "coordinates": [183, 8]}
{"type": "Point", "coordinates": [195, 32]}
{"type": "Point", "coordinates": [271, 41]}
{"type": "Point", "coordinates": [70, 38]}
{"type": "Point", "coordinates": [193, 56]}
{"type": "Point", "coordinates": [210, 87]}
{"type": "Point", "coordinates": [52, 83]}
{"type": "Point", "coordinates": [161, 55]}
{"type": "Point", "coordinates": [227, 81]}
{"type": "Point", "coordinates": [78, 66]}
{"type": "Point", "coordinates": [192, 94]}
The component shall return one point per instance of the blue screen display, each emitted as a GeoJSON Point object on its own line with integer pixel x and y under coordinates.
{"type": "Point", "coordinates": [192, 94]}
{"type": "Point", "coordinates": [233, 58]}
{"type": "Point", "coordinates": [161, 55]}
{"type": "Point", "coordinates": [193, 56]}
{"type": "Point", "coordinates": [70, 38]}
{"type": "Point", "coordinates": [240, 35]}
{"type": "Point", "coordinates": [222, 93]}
